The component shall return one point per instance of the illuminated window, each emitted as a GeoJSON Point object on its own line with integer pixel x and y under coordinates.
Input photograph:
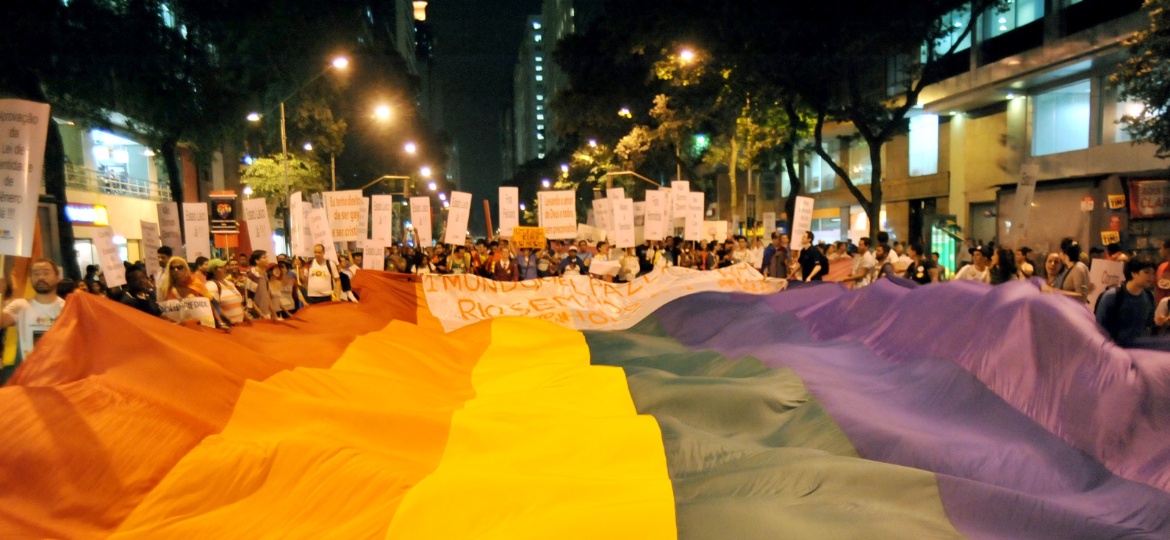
{"type": "Point", "coordinates": [956, 21]}
{"type": "Point", "coordinates": [924, 145]}
{"type": "Point", "coordinates": [860, 166]}
{"type": "Point", "coordinates": [539, 97]}
{"type": "Point", "coordinates": [536, 38]}
{"type": "Point", "coordinates": [1017, 14]}
{"type": "Point", "coordinates": [540, 78]}
{"type": "Point", "coordinates": [539, 58]}
{"type": "Point", "coordinates": [540, 117]}
{"type": "Point", "coordinates": [539, 68]}
{"type": "Point", "coordinates": [535, 25]}
{"type": "Point", "coordinates": [1060, 119]}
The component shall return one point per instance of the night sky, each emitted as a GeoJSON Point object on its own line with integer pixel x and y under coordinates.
{"type": "Point", "coordinates": [476, 45]}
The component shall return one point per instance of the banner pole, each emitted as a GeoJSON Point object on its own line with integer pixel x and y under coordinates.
{"type": "Point", "coordinates": [487, 215]}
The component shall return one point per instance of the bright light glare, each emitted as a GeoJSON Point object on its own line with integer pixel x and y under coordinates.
{"type": "Point", "coordinates": [686, 55]}
{"type": "Point", "coordinates": [544, 182]}
{"type": "Point", "coordinates": [592, 143]}
{"type": "Point", "coordinates": [341, 62]}
{"type": "Point", "coordinates": [382, 112]}
{"type": "Point", "coordinates": [432, 186]}
{"type": "Point", "coordinates": [522, 207]}
{"type": "Point", "coordinates": [410, 148]}
{"type": "Point", "coordinates": [309, 146]}
{"type": "Point", "coordinates": [624, 112]}
{"type": "Point", "coordinates": [254, 117]}
{"type": "Point", "coordinates": [564, 167]}
{"type": "Point", "coordinates": [442, 196]}
{"type": "Point", "coordinates": [247, 191]}
{"type": "Point", "coordinates": [426, 172]}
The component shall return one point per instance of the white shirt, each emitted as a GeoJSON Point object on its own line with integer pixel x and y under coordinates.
{"type": "Point", "coordinates": [863, 262]}
{"type": "Point", "coordinates": [972, 273]}
{"type": "Point", "coordinates": [33, 319]}
{"type": "Point", "coordinates": [320, 281]}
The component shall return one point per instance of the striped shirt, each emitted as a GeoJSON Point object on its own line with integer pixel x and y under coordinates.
{"type": "Point", "coordinates": [231, 302]}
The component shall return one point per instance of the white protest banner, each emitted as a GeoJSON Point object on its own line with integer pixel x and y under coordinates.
{"type": "Point", "coordinates": [300, 237]}
{"type": "Point", "coordinates": [769, 224]}
{"type": "Point", "coordinates": [509, 210]}
{"type": "Point", "coordinates": [259, 226]}
{"type": "Point", "coordinates": [581, 302]}
{"type": "Point", "coordinates": [1025, 192]}
{"type": "Point", "coordinates": [590, 233]}
{"type": "Point", "coordinates": [615, 193]}
{"type": "Point", "coordinates": [344, 209]}
{"type": "Point", "coordinates": [420, 219]}
{"type": "Point", "coordinates": [801, 221]}
{"type": "Point", "coordinates": [150, 245]}
{"type": "Point", "coordinates": [655, 221]}
{"type": "Point", "coordinates": [374, 255]}
{"type": "Point", "coordinates": [170, 232]}
{"type": "Point", "coordinates": [623, 223]}
{"type": "Point", "coordinates": [679, 201]}
{"type": "Point", "coordinates": [639, 214]}
{"type": "Point", "coordinates": [605, 268]}
{"type": "Point", "coordinates": [363, 221]}
{"type": "Point", "coordinates": [603, 213]}
{"type": "Point", "coordinates": [322, 233]}
{"type": "Point", "coordinates": [714, 231]}
{"type": "Point", "coordinates": [24, 126]}
{"type": "Point", "coordinates": [198, 237]}
{"type": "Point", "coordinates": [693, 228]}
{"type": "Point", "coordinates": [382, 219]}
{"type": "Point", "coordinates": [558, 214]}
{"type": "Point", "coordinates": [1104, 274]}
{"type": "Point", "coordinates": [458, 213]}
{"type": "Point", "coordinates": [111, 263]}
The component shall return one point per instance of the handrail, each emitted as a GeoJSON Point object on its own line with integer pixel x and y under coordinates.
{"type": "Point", "coordinates": [100, 182]}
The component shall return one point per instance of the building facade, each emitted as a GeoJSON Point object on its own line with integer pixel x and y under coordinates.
{"type": "Point", "coordinates": [530, 98]}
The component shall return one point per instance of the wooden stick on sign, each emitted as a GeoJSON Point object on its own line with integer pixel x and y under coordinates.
{"type": "Point", "coordinates": [487, 215]}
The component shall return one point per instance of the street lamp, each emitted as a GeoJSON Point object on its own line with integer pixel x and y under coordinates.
{"type": "Point", "coordinates": [341, 62]}
{"type": "Point", "coordinates": [382, 112]}
{"type": "Point", "coordinates": [425, 171]}
{"type": "Point", "coordinates": [410, 148]}
{"type": "Point", "coordinates": [624, 112]}
{"type": "Point", "coordinates": [432, 186]}
{"type": "Point", "coordinates": [686, 56]}
{"type": "Point", "coordinates": [544, 182]}
{"type": "Point", "coordinates": [308, 147]}
{"type": "Point", "coordinates": [253, 117]}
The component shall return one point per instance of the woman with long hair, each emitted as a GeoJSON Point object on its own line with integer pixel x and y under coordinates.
{"type": "Point", "coordinates": [179, 292]}
{"type": "Point", "coordinates": [1054, 268]}
{"type": "Point", "coordinates": [1074, 281]}
{"type": "Point", "coordinates": [1003, 266]}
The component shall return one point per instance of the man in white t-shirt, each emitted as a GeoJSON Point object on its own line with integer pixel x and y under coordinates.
{"type": "Point", "coordinates": [979, 269]}
{"type": "Point", "coordinates": [863, 265]}
{"type": "Point", "coordinates": [322, 283]}
{"type": "Point", "coordinates": [33, 318]}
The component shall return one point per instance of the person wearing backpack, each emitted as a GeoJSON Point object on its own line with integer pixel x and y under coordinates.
{"type": "Point", "coordinates": [322, 282]}
{"type": "Point", "coordinates": [1127, 312]}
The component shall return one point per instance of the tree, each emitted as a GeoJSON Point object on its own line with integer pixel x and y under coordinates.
{"type": "Point", "coordinates": [267, 178]}
{"type": "Point", "coordinates": [1143, 76]}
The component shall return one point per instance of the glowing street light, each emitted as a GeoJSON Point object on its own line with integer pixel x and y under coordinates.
{"type": "Point", "coordinates": [341, 62]}
{"type": "Point", "coordinates": [247, 191]}
{"type": "Point", "coordinates": [410, 148]}
{"type": "Point", "coordinates": [308, 147]}
{"type": "Point", "coordinates": [425, 171]}
{"type": "Point", "coordinates": [624, 112]}
{"type": "Point", "coordinates": [545, 182]}
{"type": "Point", "coordinates": [592, 143]}
{"type": "Point", "coordinates": [442, 196]}
{"type": "Point", "coordinates": [686, 56]}
{"type": "Point", "coordinates": [432, 186]}
{"type": "Point", "coordinates": [253, 117]}
{"type": "Point", "coordinates": [565, 168]}
{"type": "Point", "coordinates": [382, 112]}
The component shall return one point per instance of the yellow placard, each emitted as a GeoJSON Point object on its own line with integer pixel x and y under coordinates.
{"type": "Point", "coordinates": [1110, 237]}
{"type": "Point", "coordinates": [1116, 202]}
{"type": "Point", "coordinates": [528, 237]}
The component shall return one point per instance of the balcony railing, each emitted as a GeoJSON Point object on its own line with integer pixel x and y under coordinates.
{"type": "Point", "coordinates": [102, 182]}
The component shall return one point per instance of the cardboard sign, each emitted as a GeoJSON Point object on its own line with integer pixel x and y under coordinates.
{"type": "Point", "coordinates": [640, 214]}
{"type": "Point", "coordinates": [24, 126]}
{"type": "Point", "coordinates": [345, 211]}
{"type": "Point", "coordinates": [170, 232]}
{"type": "Point", "coordinates": [693, 228]}
{"type": "Point", "coordinates": [509, 210]}
{"type": "Point", "coordinates": [374, 255]}
{"type": "Point", "coordinates": [801, 221]}
{"type": "Point", "coordinates": [655, 222]}
{"type": "Point", "coordinates": [198, 237]}
{"type": "Point", "coordinates": [301, 237]}
{"type": "Point", "coordinates": [111, 263]}
{"type": "Point", "coordinates": [420, 219]}
{"type": "Point", "coordinates": [364, 221]}
{"type": "Point", "coordinates": [1025, 193]}
{"type": "Point", "coordinates": [528, 237]}
{"type": "Point", "coordinates": [150, 245]}
{"type": "Point", "coordinates": [259, 226]}
{"type": "Point", "coordinates": [615, 193]}
{"type": "Point", "coordinates": [679, 199]}
{"type": "Point", "coordinates": [322, 233]}
{"type": "Point", "coordinates": [603, 214]}
{"type": "Point", "coordinates": [714, 231]}
{"type": "Point", "coordinates": [382, 219]}
{"type": "Point", "coordinates": [1104, 274]}
{"type": "Point", "coordinates": [623, 223]}
{"type": "Point", "coordinates": [558, 214]}
{"type": "Point", "coordinates": [590, 233]}
{"type": "Point", "coordinates": [769, 224]}
{"type": "Point", "coordinates": [458, 213]}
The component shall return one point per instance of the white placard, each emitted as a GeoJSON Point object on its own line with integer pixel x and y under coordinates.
{"type": "Point", "coordinates": [509, 210]}
{"type": "Point", "coordinates": [301, 238]}
{"type": "Point", "coordinates": [801, 221]}
{"type": "Point", "coordinates": [259, 226]}
{"type": "Point", "coordinates": [655, 222]}
{"type": "Point", "coordinates": [420, 219]}
{"type": "Point", "coordinates": [374, 255]}
{"type": "Point", "coordinates": [24, 127]}
{"type": "Point", "coordinates": [458, 213]}
{"type": "Point", "coordinates": [198, 231]}
{"type": "Point", "coordinates": [170, 232]}
{"type": "Point", "coordinates": [769, 224]}
{"type": "Point", "coordinates": [382, 219]}
{"type": "Point", "coordinates": [321, 233]}
{"type": "Point", "coordinates": [558, 214]}
{"type": "Point", "coordinates": [693, 229]}
{"type": "Point", "coordinates": [590, 233]}
{"type": "Point", "coordinates": [639, 214]}
{"type": "Point", "coordinates": [1104, 274]}
{"type": "Point", "coordinates": [111, 263]}
{"type": "Point", "coordinates": [150, 245]}
{"type": "Point", "coordinates": [679, 202]}
{"type": "Point", "coordinates": [345, 209]}
{"type": "Point", "coordinates": [615, 193]}
{"type": "Point", "coordinates": [603, 215]}
{"type": "Point", "coordinates": [1025, 191]}
{"type": "Point", "coordinates": [714, 231]}
{"type": "Point", "coordinates": [623, 223]}
{"type": "Point", "coordinates": [363, 221]}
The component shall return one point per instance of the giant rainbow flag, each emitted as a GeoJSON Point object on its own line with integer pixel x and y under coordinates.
{"type": "Point", "coordinates": [685, 405]}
